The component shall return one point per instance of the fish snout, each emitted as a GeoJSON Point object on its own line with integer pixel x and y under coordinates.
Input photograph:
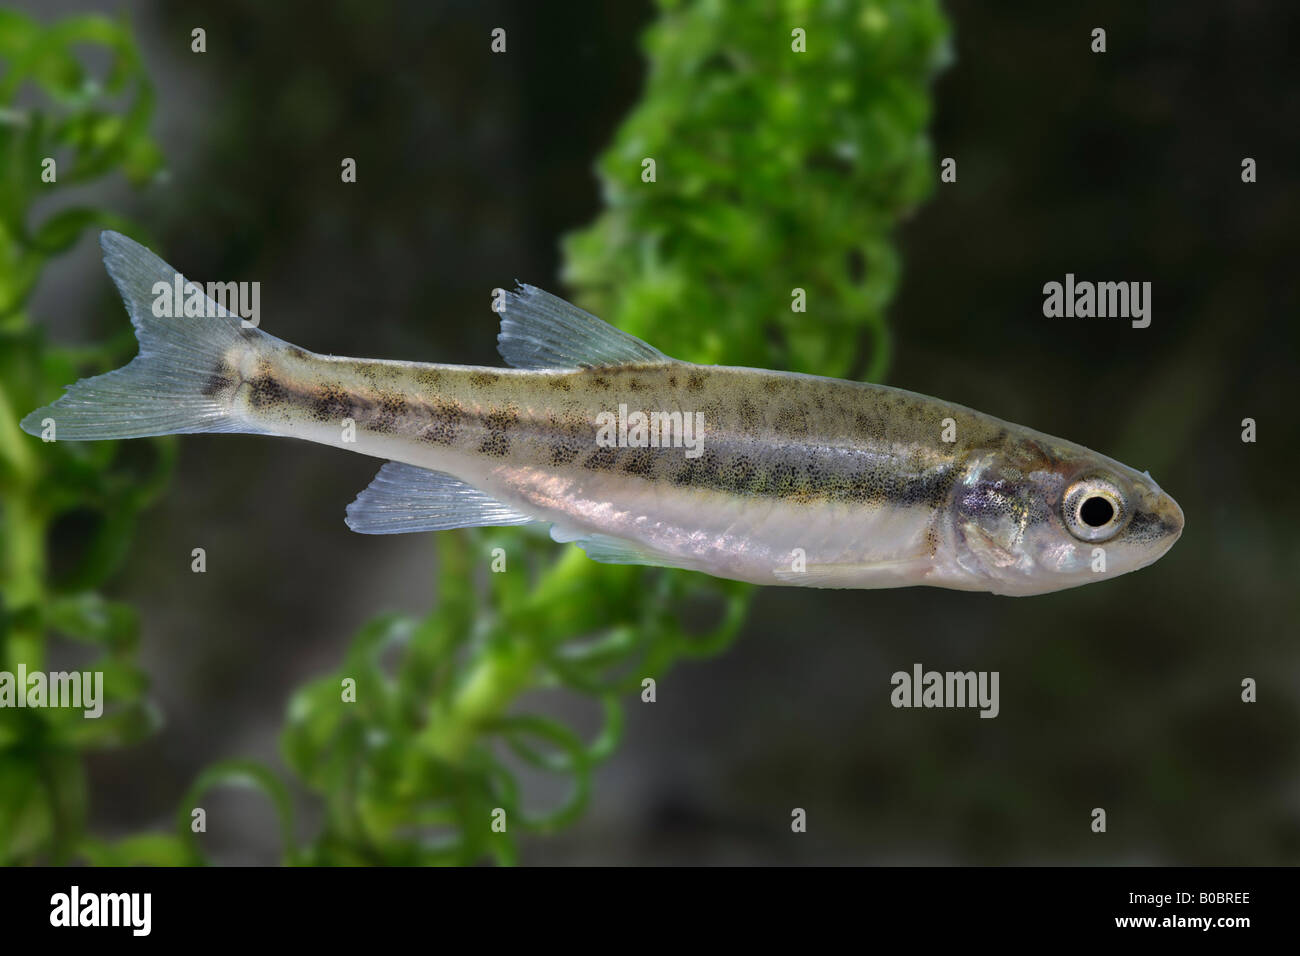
{"type": "Point", "coordinates": [1171, 517]}
{"type": "Point", "coordinates": [1159, 520]}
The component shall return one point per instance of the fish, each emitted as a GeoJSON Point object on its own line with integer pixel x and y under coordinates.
{"type": "Point", "coordinates": [770, 477]}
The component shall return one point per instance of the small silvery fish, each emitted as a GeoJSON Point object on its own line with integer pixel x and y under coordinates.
{"type": "Point", "coordinates": [769, 477]}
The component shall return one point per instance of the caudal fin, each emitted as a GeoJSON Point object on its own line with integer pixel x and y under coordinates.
{"type": "Point", "coordinates": [166, 388]}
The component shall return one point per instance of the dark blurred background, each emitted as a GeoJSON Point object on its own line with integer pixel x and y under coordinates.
{"type": "Point", "coordinates": [1122, 166]}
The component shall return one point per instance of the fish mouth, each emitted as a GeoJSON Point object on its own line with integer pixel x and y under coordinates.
{"type": "Point", "coordinates": [1160, 514]}
{"type": "Point", "coordinates": [1156, 524]}
{"type": "Point", "coordinates": [1169, 520]}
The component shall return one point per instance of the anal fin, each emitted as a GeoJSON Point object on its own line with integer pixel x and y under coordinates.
{"type": "Point", "coordinates": [404, 498]}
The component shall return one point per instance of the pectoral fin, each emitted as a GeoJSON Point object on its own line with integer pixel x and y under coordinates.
{"type": "Point", "coordinates": [608, 549]}
{"type": "Point", "coordinates": [879, 574]}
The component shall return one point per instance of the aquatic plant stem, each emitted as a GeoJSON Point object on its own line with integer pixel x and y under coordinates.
{"type": "Point", "coordinates": [22, 544]}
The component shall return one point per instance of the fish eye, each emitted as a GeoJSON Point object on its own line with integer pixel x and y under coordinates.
{"type": "Point", "coordinates": [1096, 512]}
{"type": "Point", "coordinates": [1093, 509]}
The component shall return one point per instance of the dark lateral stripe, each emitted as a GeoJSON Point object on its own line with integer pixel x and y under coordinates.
{"type": "Point", "coordinates": [440, 421]}
{"type": "Point", "coordinates": [789, 465]}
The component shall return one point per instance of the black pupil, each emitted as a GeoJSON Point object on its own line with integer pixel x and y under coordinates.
{"type": "Point", "coordinates": [1096, 512]}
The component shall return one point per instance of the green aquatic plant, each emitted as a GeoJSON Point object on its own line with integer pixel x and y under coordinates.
{"type": "Point", "coordinates": [775, 170]}
{"type": "Point", "coordinates": [787, 141]}
{"type": "Point", "coordinates": [61, 127]}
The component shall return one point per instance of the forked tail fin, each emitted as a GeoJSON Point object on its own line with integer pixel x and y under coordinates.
{"type": "Point", "coordinates": [166, 388]}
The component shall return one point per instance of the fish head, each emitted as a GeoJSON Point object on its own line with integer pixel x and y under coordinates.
{"type": "Point", "coordinates": [1041, 515]}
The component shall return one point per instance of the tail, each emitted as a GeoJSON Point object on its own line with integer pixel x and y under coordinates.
{"type": "Point", "coordinates": [167, 388]}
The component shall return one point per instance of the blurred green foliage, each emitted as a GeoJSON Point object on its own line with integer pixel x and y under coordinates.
{"type": "Point", "coordinates": [90, 128]}
{"type": "Point", "coordinates": [753, 143]}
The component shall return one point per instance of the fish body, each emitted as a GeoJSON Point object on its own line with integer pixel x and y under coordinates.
{"type": "Point", "coordinates": [755, 475]}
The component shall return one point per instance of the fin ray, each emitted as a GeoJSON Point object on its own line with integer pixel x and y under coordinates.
{"type": "Point", "coordinates": [608, 549]}
{"type": "Point", "coordinates": [540, 330]}
{"type": "Point", "coordinates": [161, 390]}
{"type": "Point", "coordinates": [403, 499]}
{"type": "Point", "coordinates": [889, 573]}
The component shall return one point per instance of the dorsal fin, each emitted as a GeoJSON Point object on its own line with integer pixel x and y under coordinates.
{"type": "Point", "coordinates": [540, 330]}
